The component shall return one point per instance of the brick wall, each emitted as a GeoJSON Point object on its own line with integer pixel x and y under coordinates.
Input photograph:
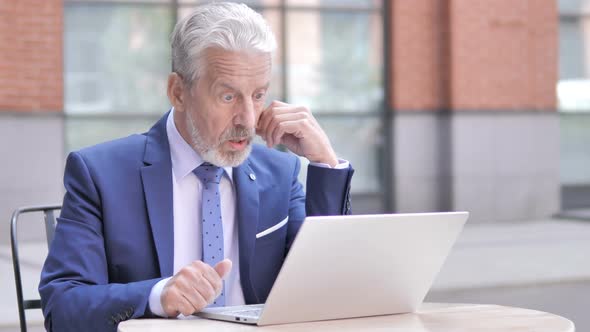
{"type": "Point", "coordinates": [474, 54]}
{"type": "Point", "coordinates": [31, 69]}
{"type": "Point", "coordinates": [419, 54]}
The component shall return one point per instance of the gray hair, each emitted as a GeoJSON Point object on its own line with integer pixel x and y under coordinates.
{"type": "Point", "coordinates": [225, 25]}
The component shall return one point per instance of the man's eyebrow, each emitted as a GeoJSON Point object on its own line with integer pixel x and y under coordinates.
{"type": "Point", "coordinates": [231, 87]}
{"type": "Point", "coordinates": [227, 86]}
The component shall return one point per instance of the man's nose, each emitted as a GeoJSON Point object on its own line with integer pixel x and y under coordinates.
{"type": "Point", "coordinates": [246, 115]}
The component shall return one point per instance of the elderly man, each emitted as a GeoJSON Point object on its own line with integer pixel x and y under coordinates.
{"type": "Point", "coordinates": [191, 213]}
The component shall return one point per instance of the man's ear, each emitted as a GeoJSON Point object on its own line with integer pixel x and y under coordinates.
{"type": "Point", "coordinates": [176, 91]}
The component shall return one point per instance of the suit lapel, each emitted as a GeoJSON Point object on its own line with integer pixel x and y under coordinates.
{"type": "Point", "coordinates": [156, 176]}
{"type": "Point", "coordinates": [247, 211]}
{"type": "Point", "coordinates": [157, 186]}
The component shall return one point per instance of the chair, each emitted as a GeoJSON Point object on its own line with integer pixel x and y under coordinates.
{"type": "Point", "coordinates": [50, 222]}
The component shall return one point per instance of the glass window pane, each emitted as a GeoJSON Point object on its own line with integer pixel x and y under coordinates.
{"type": "Point", "coordinates": [357, 140]}
{"type": "Point", "coordinates": [573, 61]}
{"type": "Point", "coordinates": [335, 60]}
{"type": "Point", "coordinates": [575, 158]}
{"type": "Point", "coordinates": [117, 57]}
{"type": "Point", "coordinates": [70, 2]}
{"type": "Point", "coordinates": [574, 7]}
{"type": "Point", "coordinates": [253, 3]}
{"type": "Point", "coordinates": [574, 64]}
{"type": "Point", "coordinates": [86, 131]}
{"type": "Point", "coordinates": [276, 86]}
{"type": "Point", "coordinates": [336, 3]}
{"type": "Point", "coordinates": [574, 101]}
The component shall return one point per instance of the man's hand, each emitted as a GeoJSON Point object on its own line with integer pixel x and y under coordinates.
{"type": "Point", "coordinates": [193, 288]}
{"type": "Point", "coordinates": [297, 129]}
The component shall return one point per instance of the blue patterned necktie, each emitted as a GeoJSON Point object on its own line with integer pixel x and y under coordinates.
{"type": "Point", "coordinates": [210, 177]}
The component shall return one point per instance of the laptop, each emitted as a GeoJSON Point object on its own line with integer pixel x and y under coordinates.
{"type": "Point", "coordinates": [354, 266]}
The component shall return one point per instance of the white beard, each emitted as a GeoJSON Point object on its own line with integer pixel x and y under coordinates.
{"type": "Point", "coordinates": [212, 153]}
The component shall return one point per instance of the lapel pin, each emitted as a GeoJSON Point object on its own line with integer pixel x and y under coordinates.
{"type": "Point", "coordinates": [252, 176]}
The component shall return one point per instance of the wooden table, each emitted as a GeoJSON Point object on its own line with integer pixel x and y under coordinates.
{"type": "Point", "coordinates": [432, 317]}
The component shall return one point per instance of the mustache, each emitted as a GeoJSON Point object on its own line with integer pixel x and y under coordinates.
{"type": "Point", "coordinates": [238, 133]}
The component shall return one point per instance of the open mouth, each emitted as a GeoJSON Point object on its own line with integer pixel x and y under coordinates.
{"type": "Point", "coordinates": [238, 144]}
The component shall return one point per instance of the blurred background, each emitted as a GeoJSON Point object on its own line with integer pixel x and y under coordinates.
{"type": "Point", "coordinates": [440, 105]}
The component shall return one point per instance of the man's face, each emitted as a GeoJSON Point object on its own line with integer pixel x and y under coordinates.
{"type": "Point", "coordinates": [224, 105]}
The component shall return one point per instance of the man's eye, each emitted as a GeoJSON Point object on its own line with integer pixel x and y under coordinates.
{"type": "Point", "coordinates": [259, 96]}
{"type": "Point", "coordinates": [228, 98]}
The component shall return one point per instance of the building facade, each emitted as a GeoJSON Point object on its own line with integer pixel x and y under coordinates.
{"type": "Point", "coordinates": [439, 105]}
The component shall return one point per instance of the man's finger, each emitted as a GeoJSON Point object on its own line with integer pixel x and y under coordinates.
{"type": "Point", "coordinates": [263, 115]}
{"type": "Point", "coordinates": [272, 111]}
{"type": "Point", "coordinates": [272, 129]}
{"type": "Point", "coordinates": [184, 306]}
{"type": "Point", "coordinates": [274, 118]}
{"type": "Point", "coordinates": [211, 276]}
{"type": "Point", "coordinates": [204, 284]}
{"type": "Point", "coordinates": [201, 293]}
{"type": "Point", "coordinates": [278, 102]}
{"type": "Point", "coordinates": [170, 302]}
{"type": "Point", "coordinates": [296, 128]}
{"type": "Point", "coordinates": [222, 268]}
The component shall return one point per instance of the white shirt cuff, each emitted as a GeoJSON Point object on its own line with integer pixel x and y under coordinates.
{"type": "Point", "coordinates": [342, 164]}
{"type": "Point", "coordinates": [155, 302]}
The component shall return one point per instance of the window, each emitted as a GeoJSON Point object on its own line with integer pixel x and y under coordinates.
{"type": "Point", "coordinates": [574, 60]}
{"type": "Point", "coordinates": [573, 91]}
{"type": "Point", "coordinates": [330, 58]}
{"type": "Point", "coordinates": [116, 62]}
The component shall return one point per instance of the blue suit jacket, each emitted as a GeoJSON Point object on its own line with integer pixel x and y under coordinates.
{"type": "Point", "coordinates": [114, 238]}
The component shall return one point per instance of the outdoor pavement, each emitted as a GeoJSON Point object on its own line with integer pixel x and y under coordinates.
{"type": "Point", "coordinates": [541, 264]}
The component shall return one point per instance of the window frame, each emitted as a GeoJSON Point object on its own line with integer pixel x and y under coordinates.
{"type": "Point", "coordinates": [384, 114]}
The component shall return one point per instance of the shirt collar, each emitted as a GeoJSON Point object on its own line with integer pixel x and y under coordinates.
{"type": "Point", "coordinates": [184, 158]}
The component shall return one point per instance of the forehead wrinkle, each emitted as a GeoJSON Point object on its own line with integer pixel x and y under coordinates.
{"type": "Point", "coordinates": [235, 86]}
{"type": "Point", "coordinates": [230, 79]}
{"type": "Point", "coordinates": [230, 68]}
{"type": "Point", "coordinates": [234, 65]}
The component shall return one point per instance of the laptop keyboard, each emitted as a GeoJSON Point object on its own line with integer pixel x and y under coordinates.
{"type": "Point", "coordinates": [251, 313]}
